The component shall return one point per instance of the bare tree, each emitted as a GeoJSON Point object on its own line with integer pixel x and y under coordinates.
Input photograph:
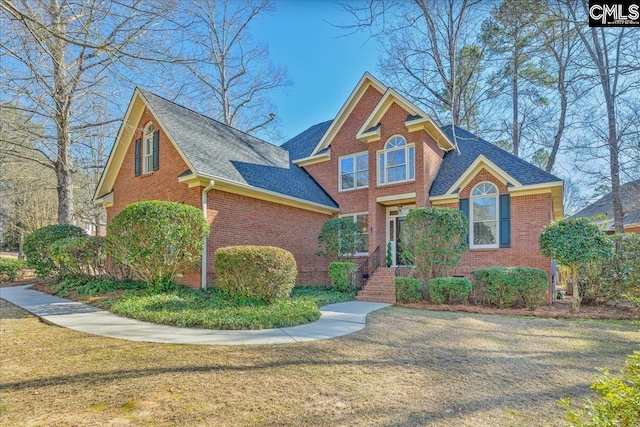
{"type": "Point", "coordinates": [430, 52]}
{"type": "Point", "coordinates": [612, 57]}
{"type": "Point", "coordinates": [232, 70]}
{"type": "Point", "coordinates": [57, 56]}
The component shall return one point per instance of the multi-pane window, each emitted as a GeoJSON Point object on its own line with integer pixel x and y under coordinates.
{"type": "Point", "coordinates": [396, 163]}
{"type": "Point", "coordinates": [484, 216]}
{"type": "Point", "coordinates": [147, 157]}
{"type": "Point", "coordinates": [362, 219]}
{"type": "Point", "coordinates": [354, 171]}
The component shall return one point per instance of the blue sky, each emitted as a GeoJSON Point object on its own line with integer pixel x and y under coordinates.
{"type": "Point", "coordinates": [324, 66]}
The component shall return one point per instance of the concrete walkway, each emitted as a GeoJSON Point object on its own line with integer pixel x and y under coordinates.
{"type": "Point", "coordinates": [336, 320]}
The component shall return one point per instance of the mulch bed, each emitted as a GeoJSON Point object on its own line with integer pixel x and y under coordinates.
{"type": "Point", "coordinates": [559, 310]}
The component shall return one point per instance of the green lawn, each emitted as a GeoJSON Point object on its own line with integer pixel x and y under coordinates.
{"type": "Point", "coordinates": [406, 368]}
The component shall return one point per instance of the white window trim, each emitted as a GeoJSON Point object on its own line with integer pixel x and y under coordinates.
{"type": "Point", "coordinates": [147, 166]}
{"type": "Point", "coordinates": [496, 245]}
{"type": "Point", "coordinates": [355, 171]}
{"type": "Point", "coordinates": [353, 217]}
{"type": "Point", "coordinates": [406, 160]}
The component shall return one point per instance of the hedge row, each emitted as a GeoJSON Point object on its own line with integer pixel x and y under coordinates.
{"type": "Point", "coordinates": [12, 270]}
{"type": "Point", "coordinates": [497, 286]}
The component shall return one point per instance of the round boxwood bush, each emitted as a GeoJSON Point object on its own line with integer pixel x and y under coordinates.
{"type": "Point", "coordinates": [157, 240]}
{"type": "Point", "coordinates": [264, 273]}
{"type": "Point", "coordinates": [409, 289]}
{"type": "Point", "coordinates": [37, 247]}
{"type": "Point", "coordinates": [79, 256]}
{"type": "Point", "coordinates": [449, 289]}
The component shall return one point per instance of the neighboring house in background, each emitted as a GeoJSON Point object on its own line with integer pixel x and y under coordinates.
{"type": "Point", "coordinates": [630, 193]}
{"type": "Point", "coordinates": [90, 227]}
{"type": "Point", "coordinates": [379, 157]}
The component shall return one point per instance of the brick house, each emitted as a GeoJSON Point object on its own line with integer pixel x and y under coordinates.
{"type": "Point", "coordinates": [379, 157]}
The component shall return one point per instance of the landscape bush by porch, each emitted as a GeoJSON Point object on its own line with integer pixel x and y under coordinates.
{"type": "Point", "coordinates": [449, 289]}
{"type": "Point", "coordinates": [342, 276]}
{"type": "Point", "coordinates": [37, 247]}
{"type": "Point", "coordinates": [339, 238]}
{"type": "Point", "coordinates": [79, 256]}
{"type": "Point", "coordinates": [533, 285]}
{"type": "Point", "coordinates": [157, 240]}
{"type": "Point", "coordinates": [409, 289]}
{"type": "Point", "coordinates": [12, 270]}
{"type": "Point", "coordinates": [264, 273]}
{"type": "Point", "coordinates": [606, 280]}
{"type": "Point", "coordinates": [433, 240]}
{"type": "Point", "coordinates": [501, 287]}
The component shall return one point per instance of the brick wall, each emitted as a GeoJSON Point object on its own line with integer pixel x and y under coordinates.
{"type": "Point", "coordinates": [240, 220]}
{"type": "Point", "coordinates": [235, 219]}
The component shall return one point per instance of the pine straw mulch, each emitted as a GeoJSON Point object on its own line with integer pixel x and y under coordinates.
{"type": "Point", "coordinates": [561, 309]}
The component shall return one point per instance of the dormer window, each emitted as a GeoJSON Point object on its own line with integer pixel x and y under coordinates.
{"type": "Point", "coordinates": [396, 163]}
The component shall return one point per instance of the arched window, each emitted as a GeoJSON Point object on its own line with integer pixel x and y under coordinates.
{"type": "Point", "coordinates": [484, 216]}
{"type": "Point", "coordinates": [147, 156]}
{"type": "Point", "coordinates": [396, 163]}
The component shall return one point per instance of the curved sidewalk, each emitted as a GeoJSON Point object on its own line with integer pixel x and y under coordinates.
{"type": "Point", "coordinates": [336, 320]}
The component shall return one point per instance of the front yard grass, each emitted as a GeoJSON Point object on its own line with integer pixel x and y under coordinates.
{"type": "Point", "coordinates": [406, 368]}
{"type": "Point", "coordinates": [182, 306]}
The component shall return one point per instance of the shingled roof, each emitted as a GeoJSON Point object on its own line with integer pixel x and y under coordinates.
{"type": "Point", "coordinates": [301, 145]}
{"type": "Point", "coordinates": [454, 164]}
{"type": "Point", "coordinates": [219, 151]}
{"type": "Point", "coordinates": [630, 193]}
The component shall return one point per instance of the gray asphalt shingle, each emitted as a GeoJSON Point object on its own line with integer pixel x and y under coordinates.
{"type": "Point", "coordinates": [630, 193]}
{"type": "Point", "coordinates": [471, 146]}
{"type": "Point", "coordinates": [220, 151]}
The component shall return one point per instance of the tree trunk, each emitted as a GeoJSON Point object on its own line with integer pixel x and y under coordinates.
{"type": "Point", "coordinates": [21, 244]}
{"type": "Point", "coordinates": [516, 117]}
{"type": "Point", "coordinates": [557, 139]}
{"type": "Point", "coordinates": [575, 298]}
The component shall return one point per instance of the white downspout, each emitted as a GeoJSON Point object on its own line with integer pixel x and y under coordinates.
{"type": "Point", "coordinates": [203, 278]}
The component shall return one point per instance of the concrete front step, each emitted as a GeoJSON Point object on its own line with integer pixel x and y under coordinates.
{"type": "Point", "coordinates": [388, 300]}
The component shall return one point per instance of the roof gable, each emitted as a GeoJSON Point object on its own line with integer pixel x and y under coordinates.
{"type": "Point", "coordinates": [416, 119]}
{"type": "Point", "coordinates": [213, 150]}
{"type": "Point", "coordinates": [365, 82]}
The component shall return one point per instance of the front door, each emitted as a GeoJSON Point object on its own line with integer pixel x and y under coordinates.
{"type": "Point", "coordinates": [399, 222]}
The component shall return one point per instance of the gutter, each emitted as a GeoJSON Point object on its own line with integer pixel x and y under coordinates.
{"type": "Point", "coordinates": [203, 276]}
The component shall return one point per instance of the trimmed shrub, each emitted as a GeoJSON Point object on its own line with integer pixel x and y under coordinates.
{"type": "Point", "coordinates": [342, 276]}
{"type": "Point", "coordinates": [79, 256]}
{"type": "Point", "coordinates": [12, 270]}
{"type": "Point", "coordinates": [263, 273]}
{"type": "Point", "coordinates": [605, 280]}
{"type": "Point", "coordinates": [409, 289]}
{"type": "Point", "coordinates": [501, 288]}
{"type": "Point", "coordinates": [573, 242]}
{"type": "Point", "coordinates": [433, 240]}
{"type": "Point", "coordinates": [502, 285]}
{"type": "Point", "coordinates": [36, 247]}
{"type": "Point", "coordinates": [448, 289]}
{"type": "Point", "coordinates": [340, 238]}
{"type": "Point", "coordinates": [618, 401]}
{"type": "Point", "coordinates": [533, 285]}
{"type": "Point", "coordinates": [157, 240]}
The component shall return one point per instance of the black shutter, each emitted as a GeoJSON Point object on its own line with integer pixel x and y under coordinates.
{"type": "Point", "coordinates": [156, 154]}
{"type": "Point", "coordinates": [505, 221]}
{"type": "Point", "coordinates": [464, 207]}
{"type": "Point", "coordinates": [136, 166]}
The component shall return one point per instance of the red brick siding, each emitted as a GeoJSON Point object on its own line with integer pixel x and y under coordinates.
{"type": "Point", "coordinates": [427, 155]}
{"type": "Point", "coordinates": [241, 220]}
{"type": "Point", "coordinates": [158, 185]}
